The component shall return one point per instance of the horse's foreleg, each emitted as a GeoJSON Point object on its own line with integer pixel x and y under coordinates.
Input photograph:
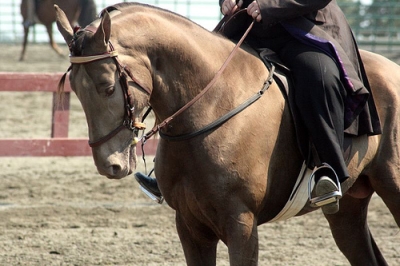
{"type": "Point", "coordinates": [53, 45]}
{"type": "Point", "coordinates": [24, 43]}
{"type": "Point", "coordinates": [351, 233]}
{"type": "Point", "coordinates": [199, 243]}
{"type": "Point", "coordinates": [242, 239]}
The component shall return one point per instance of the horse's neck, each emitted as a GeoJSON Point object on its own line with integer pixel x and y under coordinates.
{"type": "Point", "coordinates": [183, 63]}
{"type": "Point", "coordinates": [183, 59]}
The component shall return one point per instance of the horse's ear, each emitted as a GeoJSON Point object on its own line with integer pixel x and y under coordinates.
{"type": "Point", "coordinates": [103, 32]}
{"type": "Point", "coordinates": [63, 25]}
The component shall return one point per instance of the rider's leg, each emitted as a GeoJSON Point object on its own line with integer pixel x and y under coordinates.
{"type": "Point", "coordinates": [319, 95]}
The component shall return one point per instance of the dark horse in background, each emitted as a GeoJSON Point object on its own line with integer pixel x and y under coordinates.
{"type": "Point", "coordinates": [223, 183]}
{"type": "Point", "coordinates": [81, 11]}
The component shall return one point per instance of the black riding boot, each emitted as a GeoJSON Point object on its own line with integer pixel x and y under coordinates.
{"type": "Point", "coordinates": [327, 189]}
{"type": "Point", "coordinates": [149, 184]}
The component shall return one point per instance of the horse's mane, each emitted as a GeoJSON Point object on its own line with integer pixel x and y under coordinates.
{"type": "Point", "coordinates": [122, 7]}
{"type": "Point", "coordinates": [120, 10]}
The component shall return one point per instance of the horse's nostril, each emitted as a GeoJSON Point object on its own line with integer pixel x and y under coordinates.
{"type": "Point", "coordinates": [115, 169]}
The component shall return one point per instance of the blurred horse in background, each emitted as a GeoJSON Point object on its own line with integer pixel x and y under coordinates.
{"type": "Point", "coordinates": [81, 11]}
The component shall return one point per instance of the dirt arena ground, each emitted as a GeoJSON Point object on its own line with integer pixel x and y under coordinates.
{"type": "Point", "coordinates": [60, 211]}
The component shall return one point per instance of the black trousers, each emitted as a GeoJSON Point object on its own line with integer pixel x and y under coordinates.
{"type": "Point", "coordinates": [319, 96]}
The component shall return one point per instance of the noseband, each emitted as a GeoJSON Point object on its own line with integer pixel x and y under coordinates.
{"type": "Point", "coordinates": [123, 72]}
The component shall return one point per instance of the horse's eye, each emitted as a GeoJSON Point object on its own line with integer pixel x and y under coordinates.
{"type": "Point", "coordinates": [109, 91]}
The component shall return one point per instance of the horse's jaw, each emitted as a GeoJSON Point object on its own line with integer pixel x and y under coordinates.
{"type": "Point", "coordinates": [117, 165]}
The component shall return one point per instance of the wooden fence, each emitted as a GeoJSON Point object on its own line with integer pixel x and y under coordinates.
{"type": "Point", "coordinates": [58, 144]}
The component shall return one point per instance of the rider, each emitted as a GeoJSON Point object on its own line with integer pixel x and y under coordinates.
{"type": "Point", "coordinates": [332, 94]}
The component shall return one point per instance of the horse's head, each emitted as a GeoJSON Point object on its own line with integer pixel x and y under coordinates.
{"type": "Point", "coordinates": [112, 105]}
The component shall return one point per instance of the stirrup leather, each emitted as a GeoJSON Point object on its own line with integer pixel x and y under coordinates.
{"type": "Point", "coordinates": [327, 198]}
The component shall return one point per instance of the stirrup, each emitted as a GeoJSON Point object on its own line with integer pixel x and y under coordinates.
{"type": "Point", "coordinates": [158, 199]}
{"type": "Point", "coordinates": [323, 200]}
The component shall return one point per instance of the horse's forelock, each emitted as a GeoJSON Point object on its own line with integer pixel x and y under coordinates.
{"type": "Point", "coordinates": [76, 46]}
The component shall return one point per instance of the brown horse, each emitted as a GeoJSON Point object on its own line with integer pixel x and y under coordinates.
{"type": "Point", "coordinates": [81, 11]}
{"type": "Point", "coordinates": [227, 181]}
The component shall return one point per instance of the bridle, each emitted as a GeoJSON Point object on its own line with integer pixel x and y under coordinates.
{"type": "Point", "coordinates": [123, 72]}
